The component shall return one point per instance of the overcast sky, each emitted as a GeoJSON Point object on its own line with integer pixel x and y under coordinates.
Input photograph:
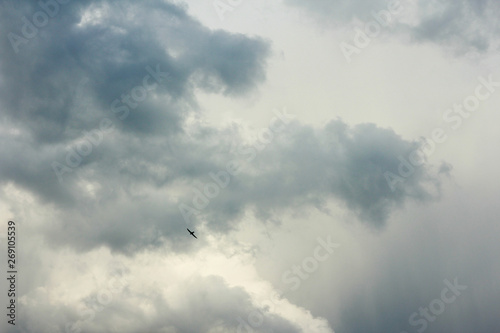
{"type": "Point", "coordinates": [337, 160]}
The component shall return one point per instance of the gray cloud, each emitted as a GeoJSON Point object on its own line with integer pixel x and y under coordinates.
{"type": "Point", "coordinates": [301, 167]}
{"type": "Point", "coordinates": [111, 44]}
{"type": "Point", "coordinates": [410, 275]}
{"type": "Point", "coordinates": [462, 26]}
{"type": "Point", "coordinates": [123, 192]}
{"type": "Point", "coordinates": [305, 166]}
{"type": "Point", "coordinates": [77, 70]}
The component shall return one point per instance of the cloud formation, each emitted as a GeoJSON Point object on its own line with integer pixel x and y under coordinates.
{"type": "Point", "coordinates": [128, 196]}
{"type": "Point", "coordinates": [105, 137]}
{"type": "Point", "coordinates": [462, 26]}
{"type": "Point", "coordinates": [97, 103]}
{"type": "Point", "coordinates": [111, 47]}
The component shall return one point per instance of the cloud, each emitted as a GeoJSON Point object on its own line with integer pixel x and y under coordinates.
{"type": "Point", "coordinates": [82, 67]}
{"type": "Point", "coordinates": [100, 121]}
{"type": "Point", "coordinates": [306, 166]}
{"type": "Point", "coordinates": [462, 26]}
{"type": "Point", "coordinates": [111, 45]}
{"type": "Point", "coordinates": [342, 11]}
{"type": "Point", "coordinates": [155, 292]}
{"type": "Point", "coordinates": [403, 271]}
{"type": "Point", "coordinates": [128, 195]}
{"type": "Point", "coordinates": [117, 197]}
{"type": "Point", "coordinates": [204, 304]}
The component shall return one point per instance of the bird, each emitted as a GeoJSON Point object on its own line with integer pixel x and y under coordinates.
{"type": "Point", "coordinates": [192, 233]}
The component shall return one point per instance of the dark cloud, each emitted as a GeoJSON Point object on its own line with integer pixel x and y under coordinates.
{"type": "Point", "coordinates": [82, 67]}
{"type": "Point", "coordinates": [29, 166]}
{"type": "Point", "coordinates": [111, 45]}
{"type": "Point", "coordinates": [128, 207]}
{"type": "Point", "coordinates": [305, 166]}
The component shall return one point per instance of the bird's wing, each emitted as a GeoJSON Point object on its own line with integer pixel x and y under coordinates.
{"type": "Point", "coordinates": [195, 236]}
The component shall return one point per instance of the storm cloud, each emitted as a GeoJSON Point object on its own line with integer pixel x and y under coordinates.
{"type": "Point", "coordinates": [123, 123]}
{"type": "Point", "coordinates": [84, 143]}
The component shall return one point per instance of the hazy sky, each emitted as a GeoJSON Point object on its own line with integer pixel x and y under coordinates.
{"type": "Point", "coordinates": [337, 159]}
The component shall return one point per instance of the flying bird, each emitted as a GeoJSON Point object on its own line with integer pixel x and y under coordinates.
{"type": "Point", "coordinates": [192, 233]}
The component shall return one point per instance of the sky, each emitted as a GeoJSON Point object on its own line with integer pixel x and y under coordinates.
{"type": "Point", "coordinates": [336, 159]}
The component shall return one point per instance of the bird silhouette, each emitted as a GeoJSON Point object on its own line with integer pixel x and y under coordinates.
{"type": "Point", "coordinates": [192, 233]}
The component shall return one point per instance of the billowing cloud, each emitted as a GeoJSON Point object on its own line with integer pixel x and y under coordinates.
{"type": "Point", "coordinates": [157, 292]}
{"type": "Point", "coordinates": [131, 195]}
{"type": "Point", "coordinates": [111, 149]}
{"type": "Point", "coordinates": [99, 106]}
{"type": "Point", "coordinates": [95, 78]}
{"type": "Point", "coordinates": [95, 58]}
{"type": "Point", "coordinates": [206, 304]}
